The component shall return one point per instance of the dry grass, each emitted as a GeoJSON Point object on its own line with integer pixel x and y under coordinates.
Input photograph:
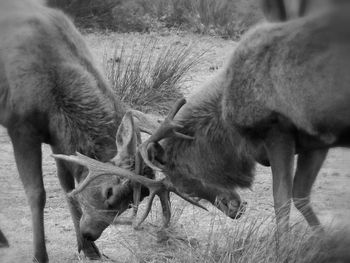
{"type": "Point", "coordinates": [225, 18]}
{"type": "Point", "coordinates": [148, 77]}
{"type": "Point", "coordinates": [249, 240]}
{"type": "Point", "coordinates": [217, 17]}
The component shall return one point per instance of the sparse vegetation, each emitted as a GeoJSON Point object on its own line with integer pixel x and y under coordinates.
{"type": "Point", "coordinates": [148, 77]}
{"type": "Point", "coordinates": [252, 239]}
{"type": "Point", "coordinates": [225, 18]}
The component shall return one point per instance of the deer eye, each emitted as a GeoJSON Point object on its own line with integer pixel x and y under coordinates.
{"type": "Point", "coordinates": [109, 192]}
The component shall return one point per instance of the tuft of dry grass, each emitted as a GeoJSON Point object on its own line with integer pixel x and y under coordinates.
{"type": "Point", "coordinates": [252, 239]}
{"type": "Point", "coordinates": [148, 77]}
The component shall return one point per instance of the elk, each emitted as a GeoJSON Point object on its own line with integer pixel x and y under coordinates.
{"type": "Point", "coordinates": [284, 93]}
{"type": "Point", "coordinates": [52, 92]}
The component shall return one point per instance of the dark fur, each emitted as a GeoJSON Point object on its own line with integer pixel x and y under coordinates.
{"type": "Point", "coordinates": [52, 92]}
{"type": "Point", "coordinates": [215, 151]}
{"type": "Point", "coordinates": [285, 79]}
{"type": "Point", "coordinates": [283, 10]}
{"type": "Point", "coordinates": [272, 81]}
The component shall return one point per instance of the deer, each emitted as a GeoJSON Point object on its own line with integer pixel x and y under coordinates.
{"type": "Point", "coordinates": [284, 93]}
{"type": "Point", "coordinates": [52, 92]}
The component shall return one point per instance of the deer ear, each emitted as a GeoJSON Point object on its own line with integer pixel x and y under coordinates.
{"type": "Point", "coordinates": [126, 139]}
{"type": "Point", "coordinates": [147, 123]}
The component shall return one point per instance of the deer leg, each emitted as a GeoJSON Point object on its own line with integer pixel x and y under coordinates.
{"type": "Point", "coordinates": [27, 149]}
{"type": "Point", "coordinates": [281, 149]}
{"type": "Point", "coordinates": [303, 5]}
{"type": "Point", "coordinates": [308, 166]}
{"type": "Point", "coordinates": [3, 240]}
{"type": "Point", "coordinates": [67, 182]}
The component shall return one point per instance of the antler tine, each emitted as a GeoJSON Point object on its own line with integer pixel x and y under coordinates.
{"type": "Point", "coordinates": [81, 160]}
{"type": "Point", "coordinates": [178, 105]}
{"type": "Point", "coordinates": [137, 186]}
{"type": "Point", "coordinates": [157, 187]}
{"type": "Point", "coordinates": [167, 129]}
{"type": "Point", "coordinates": [163, 190]}
{"type": "Point", "coordinates": [97, 169]}
{"type": "Point", "coordinates": [188, 199]}
{"type": "Point", "coordinates": [144, 154]}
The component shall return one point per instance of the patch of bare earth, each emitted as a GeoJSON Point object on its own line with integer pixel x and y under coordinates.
{"type": "Point", "coordinates": [191, 227]}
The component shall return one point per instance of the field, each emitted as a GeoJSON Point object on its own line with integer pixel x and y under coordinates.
{"type": "Point", "coordinates": [195, 235]}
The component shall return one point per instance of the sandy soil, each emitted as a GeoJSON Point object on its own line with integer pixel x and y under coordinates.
{"type": "Point", "coordinates": [123, 244]}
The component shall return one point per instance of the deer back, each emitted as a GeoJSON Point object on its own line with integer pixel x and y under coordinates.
{"type": "Point", "coordinates": [295, 73]}
{"type": "Point", "coordinates": [50, 82]}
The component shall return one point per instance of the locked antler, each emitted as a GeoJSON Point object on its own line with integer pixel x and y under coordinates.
{"type": "Point", "coordinates": [156, 187]}
{"type": "Point", "coordinates": [161, 187]}
{"type": "Point", "coordinates": [169, 128]}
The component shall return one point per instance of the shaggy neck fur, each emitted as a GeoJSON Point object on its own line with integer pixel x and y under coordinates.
{"type": "Point", "coordinates": [218, 157]}
{"type": "Point", "coordinates": [85, 114]}
{"type": "Point", "coordinates": [87, 119]}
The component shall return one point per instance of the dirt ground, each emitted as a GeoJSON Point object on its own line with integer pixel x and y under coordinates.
{"type": "Point", "coordinates": [330, 194]}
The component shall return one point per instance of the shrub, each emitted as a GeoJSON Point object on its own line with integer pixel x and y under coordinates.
{"type": "Point", "coordinates": [148, 78]}
{"type": "Point", "coordinates": [84, 8]}
{"type": "Point", "coordinates": [252, 241]}
{"type": "Point", "coordinates": [225, 18]}
{"type": "Point", "coordinates": [130, 16]}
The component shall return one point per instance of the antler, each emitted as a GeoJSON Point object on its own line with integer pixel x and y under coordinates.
{"type": "Point", "coordinates": [97, 169]}
{"type": "Point", "coordinates": [161, 187]}
{"type": "Point", "coordinates": [167, 129]}
{"type": "Point", "coordinates": [162, 190]}
{"type": "Point", "coordinates": [156, 187]}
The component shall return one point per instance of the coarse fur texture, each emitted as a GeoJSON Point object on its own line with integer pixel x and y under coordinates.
{"type": "Point", "coordinates": [284, 91]}
{"type": "Point", "coordinates": [269, 82]}
{"type": "Point", "coordinates": [52, 92]}
{"type": "Point", "coordinates": [224, 151]}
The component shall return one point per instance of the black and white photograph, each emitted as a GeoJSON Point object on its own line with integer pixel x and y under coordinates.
{"type": "Point", "coordinates": [175, 131]}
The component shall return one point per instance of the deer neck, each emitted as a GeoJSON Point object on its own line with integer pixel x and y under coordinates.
{"type": "Point", "coordinates": [218, 156]}
{"type": "Point", "coordinates": [87, 122]}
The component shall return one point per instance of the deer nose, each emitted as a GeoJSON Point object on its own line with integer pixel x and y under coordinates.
{"type": "Point", "coordinates": [91, 229]}
{"type": "Point", "coordinates": [232, 208]}
{"type": "Point", "coordinates": [89, 236]}
{"type": "Point", "coordinates": [240, 211]}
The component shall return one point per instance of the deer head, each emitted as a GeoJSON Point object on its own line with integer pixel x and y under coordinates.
{"type": "Point", "coordinates": [102, 196]}
{"type": "Point", "coordinates": [109, 188]}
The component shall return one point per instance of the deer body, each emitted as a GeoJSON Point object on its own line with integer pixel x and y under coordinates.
{"type": "Point", "coordinates": [284, 91]}
{"type": "Point", "coordinates": [298, 75]}
{"type": "Point", "coordinates": [52, 92]}
{"type": "Point", "coordinates": [218, 159]}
